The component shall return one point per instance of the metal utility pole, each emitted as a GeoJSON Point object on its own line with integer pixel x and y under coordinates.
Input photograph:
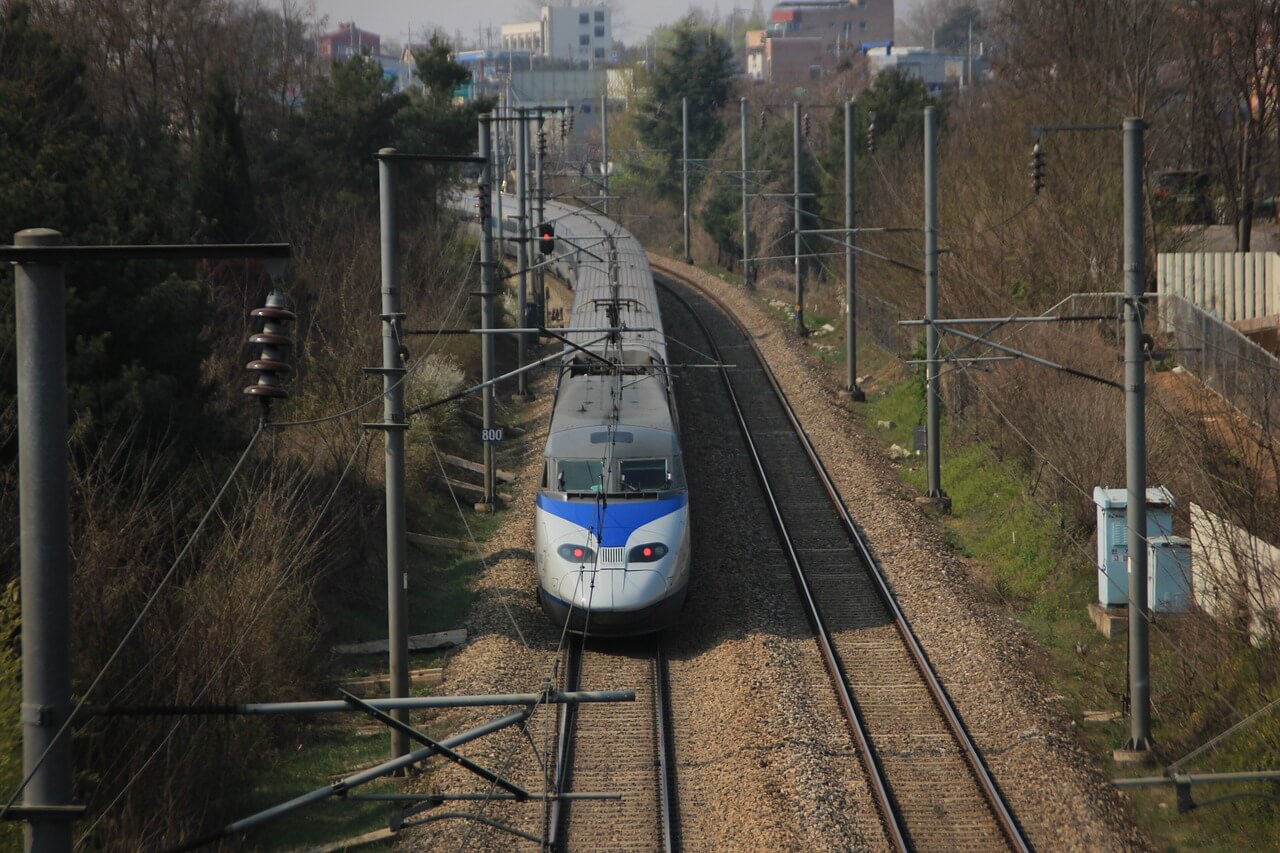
{"type": "Point", "coordinates": [490, 500]}
{"type": "Point", "coordinates": [746, 230]}
{"type": "Point", "coordinates": [684, 160]}
{"type": "Point", "coordinates": [393, 424]}
{"type": "Point", "coordinates": [1136, 440]}
{"type": "Point", "coordinates": [539, 215]}
{"type": "Point", "coordinates": [795, 208]}
{"type": "Point", "coordinates": [40, 297]}
{"type": "Point", "coordinates": [498, 175]}
{"type": "Point", "coordinates": [604, 152]}
{"type": "Point", "coordinates": [933, 424]}
{"type": "Point", "coordinates": [850, 260]}
{"type": "Point", "coordinates": [522, 241]}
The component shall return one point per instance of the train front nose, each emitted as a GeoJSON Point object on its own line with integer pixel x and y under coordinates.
{"type": "Point", "coordinates": [613, 602]}
{"type": "Point", "coordinates": [612, 589]}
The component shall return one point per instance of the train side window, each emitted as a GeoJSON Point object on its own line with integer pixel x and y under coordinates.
{"type": "Point", "coordinates": [579, 475]}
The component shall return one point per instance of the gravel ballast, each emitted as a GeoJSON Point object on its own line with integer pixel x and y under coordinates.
{"type": "Point", "coordinates": [1062, 800]}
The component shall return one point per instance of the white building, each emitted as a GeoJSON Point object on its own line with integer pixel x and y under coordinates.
{"type": "Point", "coordinates": [582, 34]}
{"type": "Point", "coordinates": [936, 70]}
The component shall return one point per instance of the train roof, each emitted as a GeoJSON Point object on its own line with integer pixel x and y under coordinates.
{"type": "Point", "coordinates": [595, 241]}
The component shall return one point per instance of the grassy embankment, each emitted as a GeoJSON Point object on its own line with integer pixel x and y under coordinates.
{"type": "Point", "coordinates": [1043, 574]}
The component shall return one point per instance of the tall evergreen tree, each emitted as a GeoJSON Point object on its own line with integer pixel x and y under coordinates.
{"type": "Point", "coordinates": [699, 67]}
{"type": "Point", "coordinates": [221, 195]}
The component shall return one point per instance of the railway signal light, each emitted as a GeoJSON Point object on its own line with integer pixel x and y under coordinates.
{"type": "Point", "coordinates": [546, 238]}
{"type": "Point", "coordinates": [1037, 168]}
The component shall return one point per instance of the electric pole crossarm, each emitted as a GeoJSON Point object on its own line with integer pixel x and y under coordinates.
{"type": "Point", "coordinates": [354, 781]}
{"type": "Point", "coordinates": [460, 760]}
{"type": "Point", "coordinates": [1028, 356]}
{"type": "Point", "coordinates": [466, 392]}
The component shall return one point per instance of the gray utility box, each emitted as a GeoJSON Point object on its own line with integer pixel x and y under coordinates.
{"type": "Point", "coordinates": [1169, 574]}
{"type": "Point", "coordinates": [1113, 537]}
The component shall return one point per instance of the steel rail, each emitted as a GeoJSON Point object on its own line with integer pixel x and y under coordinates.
{"type": "Point", "coordinates": [666, 752]}
{"type": "Point", "coordinates": [557, 824]}
{"type": "Point", "coordinates": [986, 783]}
{"type": "Point", "coordinates": [564, 752]}
{"type": "Point", "coordinates": [835, 669]}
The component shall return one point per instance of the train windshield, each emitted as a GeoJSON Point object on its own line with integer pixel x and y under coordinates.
{"type": "Point", "coordinates": [580, 475]}
{"type": "Point", "coordinates": [643, 475]}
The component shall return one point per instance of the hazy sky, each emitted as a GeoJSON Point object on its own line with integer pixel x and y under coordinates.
{"type": "Point", "coordinates": [634, 18]}
{"type": "Point", "coordinates": [393, 18]}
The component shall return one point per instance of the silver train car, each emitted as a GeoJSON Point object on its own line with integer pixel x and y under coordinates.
{"type": "Point", "coordinates": [612, 529]}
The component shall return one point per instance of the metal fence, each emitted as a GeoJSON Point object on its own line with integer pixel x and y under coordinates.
{"type": "Point", "coordinates": [879, 319]}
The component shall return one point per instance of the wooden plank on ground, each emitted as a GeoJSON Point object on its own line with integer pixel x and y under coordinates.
{"type": "Point", "coordinates": [439, 541]}
{"type": "Point", "coordinates": [378, 835]}
{"type": "Point", "coordinates": [476, 421]}
{"type": "Point", "coordinates": [417, 678]}
{"type": "Point", "coordinates": [478, 491]}
{"type": "Point", "coordinates": [417, 643]}
{"type": "Point", "coordinates": [476, 467]}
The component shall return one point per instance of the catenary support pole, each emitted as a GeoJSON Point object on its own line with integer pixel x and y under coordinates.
{"type": "Point", "coordinates": [40, 302]}
{"type": "Point", "coordinates": [489, 501]}
{"type": "Point", "coordinates": [604, 153]}
{"type": "Point", "coordinates": [850, 260]}
{"type": "Point", "coordinates": [498, 174]}
{"type": "Point", "coordinates": [393, 370]}
{"type": "Point", "coordinates": [1136, 440]}
{"type": "Point", "coordinates": [934, 415]}
{"type": "Point", "coordinates": [522, 239]}
{"type": "Point", "coordinates": [746, 227]}
{"type": "Point", "coordinates": [795, 210]}
{"type": "Point", "coordinates": [539, 215]}
{"type": "Point", "coordinates": [684, 162]}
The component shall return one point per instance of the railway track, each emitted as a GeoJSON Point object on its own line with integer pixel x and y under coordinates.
{"type": "Point", "coordinates": [622, 747]}
{"type": "Point", "coordinates": [932, 789]}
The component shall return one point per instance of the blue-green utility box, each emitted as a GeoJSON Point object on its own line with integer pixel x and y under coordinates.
{"type": "Point", "coordinates": [1169, 574]}
{"type": "Point", "coordinates": [1113, 537]}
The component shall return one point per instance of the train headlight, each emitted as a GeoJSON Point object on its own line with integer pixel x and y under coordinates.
{"type": "Point", "coordinates": [647, 553]}
{"type": "Point", "coordinates": [576, 553]}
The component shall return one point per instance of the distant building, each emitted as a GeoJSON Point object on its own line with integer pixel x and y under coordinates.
{"type": "Point", "coordinates": [841, 25]}
{"type": "Point", "coordinates": [806, 38]}
{"type": "Point", "coordinates": [936, 70]}
{"type": "Point", "coordinates": [348, 41]}
{"type": "Point", "coordinates": [581, 34]}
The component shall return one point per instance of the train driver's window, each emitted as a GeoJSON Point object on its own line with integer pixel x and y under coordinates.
{"type": "Point", "coordinates": [643, 475]}
{"type": "Point", "coordinates": [580, 475]}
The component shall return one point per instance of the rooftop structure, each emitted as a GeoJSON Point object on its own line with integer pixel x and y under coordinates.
{"type": "Point", "coordinates": [582, 34]}
{"type": "Point", "coordinates": [348, 41]}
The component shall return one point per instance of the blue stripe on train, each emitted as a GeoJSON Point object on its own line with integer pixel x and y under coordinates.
{"type": "Point", "coordinates": [621, 517]}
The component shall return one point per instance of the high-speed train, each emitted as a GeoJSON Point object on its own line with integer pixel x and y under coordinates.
{"type": "Point", "coordinates": [612, 528]}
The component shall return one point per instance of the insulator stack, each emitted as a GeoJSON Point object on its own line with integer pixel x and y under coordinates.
{"type": "Point", "coordinates": [274, 339]}
{"type": "Point", "coordinates": [762, 119]}
{"type": "Point", "coordinates": [542, 143]}
{"type": "Point", "coordinates": [486, 201]}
